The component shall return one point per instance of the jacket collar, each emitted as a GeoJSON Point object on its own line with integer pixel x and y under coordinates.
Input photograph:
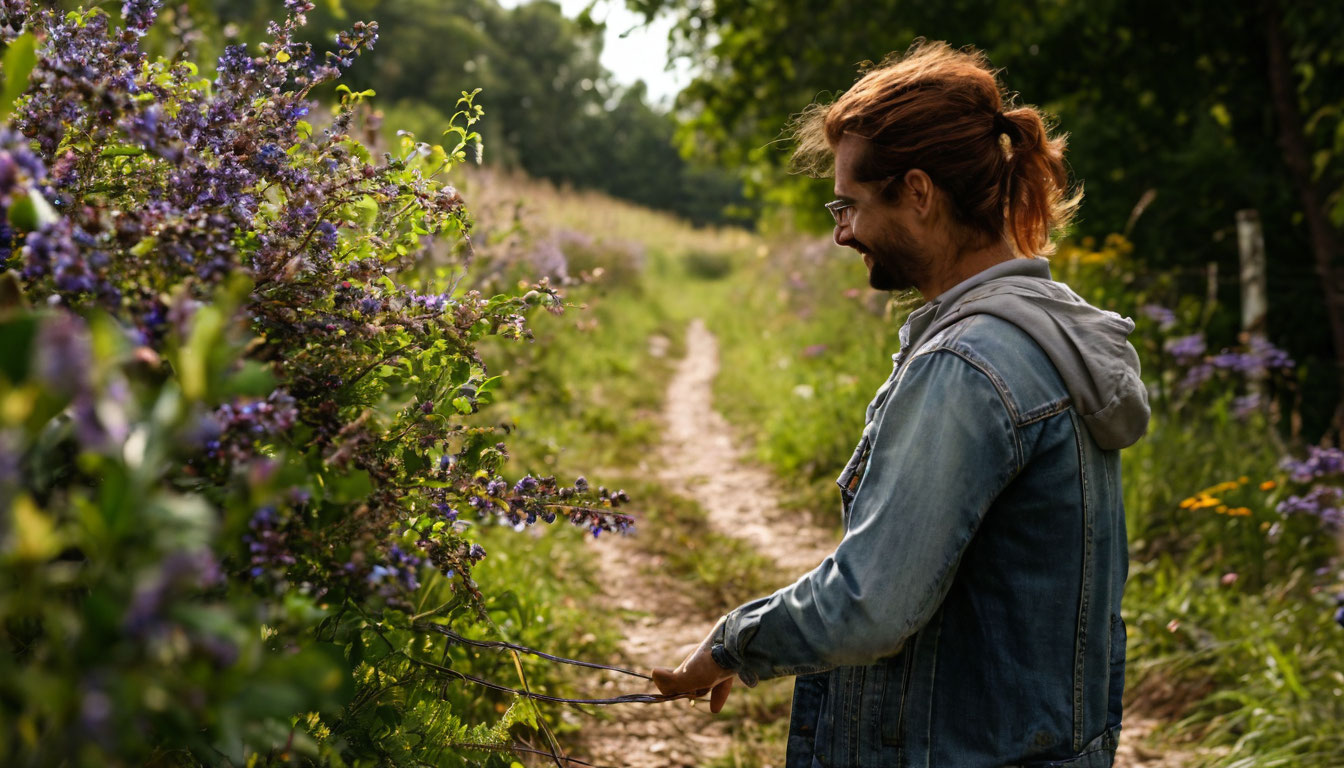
{"type": "Point", "coordinates": [922, 318]}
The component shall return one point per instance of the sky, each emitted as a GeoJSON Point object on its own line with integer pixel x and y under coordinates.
{"type": "Point", "coordinates": [640, 55]}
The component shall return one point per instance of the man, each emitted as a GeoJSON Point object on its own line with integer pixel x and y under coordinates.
{"type": "Point", "coordinates": [970, 617]}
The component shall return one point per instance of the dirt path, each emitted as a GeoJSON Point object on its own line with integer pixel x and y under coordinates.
{"type": "Point", "coordinates": [702, 460]}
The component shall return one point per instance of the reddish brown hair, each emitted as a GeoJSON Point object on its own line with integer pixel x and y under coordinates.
{"type": "Point", "coordinates": [938, 109]}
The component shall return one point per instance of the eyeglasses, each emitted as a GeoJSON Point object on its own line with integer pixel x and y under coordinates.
{"type": "Point", "coordinates": [840, 210]}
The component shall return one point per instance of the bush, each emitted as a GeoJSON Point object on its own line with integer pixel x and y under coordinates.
{"type": "Point", "coordinates": [707, 265]}
{"type": "Point", "coordinates": [238, 476]}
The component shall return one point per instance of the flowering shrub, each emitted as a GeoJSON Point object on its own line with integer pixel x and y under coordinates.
{"type": "Point", "coordinates": [234, 447]}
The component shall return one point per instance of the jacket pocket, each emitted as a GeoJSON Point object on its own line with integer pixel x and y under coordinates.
{"type": "Point", "coordinates": [897, 670]}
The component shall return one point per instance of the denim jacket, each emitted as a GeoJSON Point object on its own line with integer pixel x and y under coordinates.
{"type": "Point", "coordinates": [970, 617]}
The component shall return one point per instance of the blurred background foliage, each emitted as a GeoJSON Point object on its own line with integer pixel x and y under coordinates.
{"type": "Point", "coordinates": [1179, 115]}
{"type": "Point", "coordinates": [556, 113]}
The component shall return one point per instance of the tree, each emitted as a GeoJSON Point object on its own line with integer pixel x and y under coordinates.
{"type": "Point", "coordinates": [1176, 98]}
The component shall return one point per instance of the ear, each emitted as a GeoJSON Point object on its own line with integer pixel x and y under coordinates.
{"type": "Point", "coordinates": [921, 190]}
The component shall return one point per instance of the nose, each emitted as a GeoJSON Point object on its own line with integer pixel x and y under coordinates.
{"type": "Point", "coordinates": [843, 235]}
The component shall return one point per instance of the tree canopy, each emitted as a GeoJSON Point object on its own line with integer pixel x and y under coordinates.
{"type": "Point", "coordinates": [1172, 104]}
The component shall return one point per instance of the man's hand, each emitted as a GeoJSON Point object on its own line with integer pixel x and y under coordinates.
{"type": "Point", "coordinates": [700, 674]}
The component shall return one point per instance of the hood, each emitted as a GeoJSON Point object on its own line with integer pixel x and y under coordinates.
{"type": "Point", "coordinates": [1088, 346]}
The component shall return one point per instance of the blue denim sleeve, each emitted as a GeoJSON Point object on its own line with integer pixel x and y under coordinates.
{"type": "Point", "coordinates": [944, 448]}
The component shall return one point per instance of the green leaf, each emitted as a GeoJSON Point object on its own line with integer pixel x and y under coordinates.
{"type": "Point", "coordinates": [31, 212]}
{"type": "Point", "coordinates": [20, 58]}
{"type": "Point", "coordinates": [366, 211]}
{"type": "Point", "coordinates": [16, 338]}
{"type": "Point", "coordinates": [33, 536]}
{"type": "Point", "coordinates": [254, 379]}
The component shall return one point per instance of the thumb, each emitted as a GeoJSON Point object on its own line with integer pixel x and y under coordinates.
{"type": "Point", "coordinates": [719, 695]}
{"type": "Point", "coordinates": [665, 679]}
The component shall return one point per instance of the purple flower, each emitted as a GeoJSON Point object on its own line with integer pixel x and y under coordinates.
{"type": "Point", "coordinates": [139, 15]}
{"type": "Point", "coordinates": [1243, 407]}
{"type": "Point", "coordinates": [1186, 349]}
{"type": "Point", "coordinates": [1322, 501]}
{"type": "Point", "coordinates": [1164, 317]}
{"type": "Point", "coordinates": [64, 352]}
{"type": "Point", "coordinates": [1320, 463]}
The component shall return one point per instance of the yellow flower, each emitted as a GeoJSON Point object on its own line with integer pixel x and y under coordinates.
{"type": "Point", "coordinates": [1239, 512]}
{"type": "Point", "coordinates": [1222, 509]}
{"type": "Point", "coordinates": [1201, 501]}
{"type": "Point", "coordinates": [1268, 485]}
{"type": "Point", "coordinates": [1243, 480]}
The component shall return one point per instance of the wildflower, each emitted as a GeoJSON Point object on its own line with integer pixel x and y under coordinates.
{"type": "Point", "coordinates": [1186, 349]}
{"type": "Point", "coordinates": [1268, 485]}
{"type": "Point", "coordinates": [1201, 501]}
{"type": "Point", "coordinates": [1229, 579]}
{"type": "Point", "coordinates": [814, 350]}
{"type": "Point", "coordinates": [1164, 317]}
{"type": "Point", "coordinates": [1320, 463]}
{"type": "Point", "coordinates": [1243, 407]}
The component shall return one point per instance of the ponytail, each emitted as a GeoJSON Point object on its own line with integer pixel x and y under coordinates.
{"type": "Point", "coordinates": [1035, 201]}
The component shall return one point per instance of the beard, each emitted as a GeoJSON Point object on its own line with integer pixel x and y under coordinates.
{"type": "Point", "coordinates": [894, 261]}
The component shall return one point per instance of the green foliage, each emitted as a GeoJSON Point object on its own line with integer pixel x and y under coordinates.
{"type": "Point", "coordinates": [556, 112]}
{"type": "Point", "coordinates": [1169, 146]}
{"type": "Point", "coordinates": [708, 265]}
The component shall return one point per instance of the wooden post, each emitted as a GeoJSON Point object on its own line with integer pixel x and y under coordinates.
{"type": "Point", "coordinates": [1254, 291]}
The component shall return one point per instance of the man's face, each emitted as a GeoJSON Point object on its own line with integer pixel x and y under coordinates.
{"type": "Point", "coordinates": [872, 224]}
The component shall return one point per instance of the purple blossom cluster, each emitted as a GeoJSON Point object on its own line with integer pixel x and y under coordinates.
{"type": "Point", "coordinates": [202, 157]}
{"type": "Point", "coordinates": [1321, 463]}
{"type": "Point", "coordinates": [148, 619]}
{"type": "Point", "coordinates": [1322, 501]}
{"type": "Point", "coordinates": [1187, 349]}
{"type": "Point", "coordinates": [1159, 314]}
{"type": "Point", "coordinates": [267, 544]}
{"type": "Point", "coordinates": [1322, 470]}
{"type": "Point", "coordinates": [399, 573]}
{"type": "Point", "coordinates": [1258, 359]}
{"type": "Point", "coordinates": [13, 17]}
{"type": "Point", "coordinates": [234, 429]}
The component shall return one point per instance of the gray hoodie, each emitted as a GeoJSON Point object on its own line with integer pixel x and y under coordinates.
{"type": "Point", "coordinates": [1088, 346]}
